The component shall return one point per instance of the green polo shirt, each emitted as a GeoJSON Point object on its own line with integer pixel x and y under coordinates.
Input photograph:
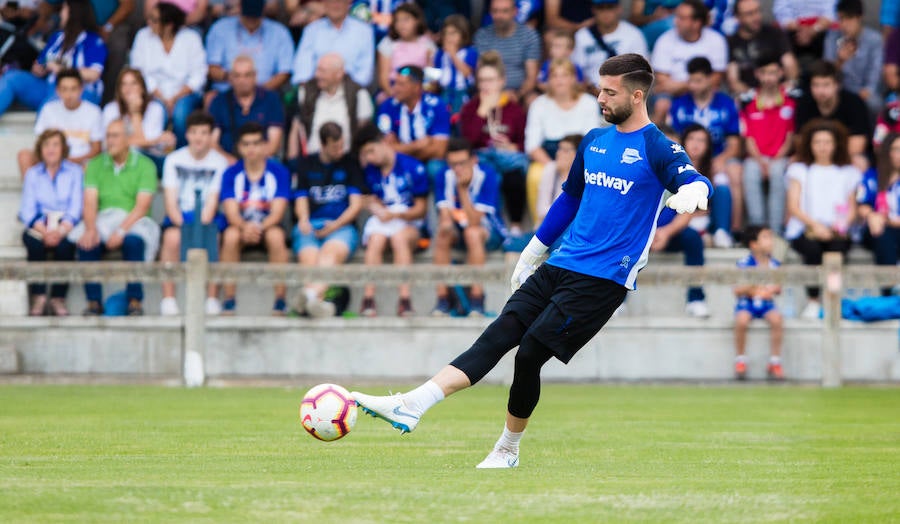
{"type": "Point", "coordinates": [119, 188]}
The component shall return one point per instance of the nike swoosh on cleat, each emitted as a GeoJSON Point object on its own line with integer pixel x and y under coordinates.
{"type": "Point", "coordinates": [404, 414]}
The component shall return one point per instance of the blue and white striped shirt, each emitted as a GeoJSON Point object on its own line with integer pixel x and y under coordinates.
{"type": "Point", "coordinates": [89, 51]}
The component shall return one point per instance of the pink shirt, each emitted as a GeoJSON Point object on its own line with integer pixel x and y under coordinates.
{"type": "Point", "coordinates": [404, 53]}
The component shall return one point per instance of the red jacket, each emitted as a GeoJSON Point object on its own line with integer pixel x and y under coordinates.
{"type": "Point", "coordinates": [510, 120]}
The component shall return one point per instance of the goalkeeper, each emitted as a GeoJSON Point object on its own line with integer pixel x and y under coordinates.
{"type": "Point", "coordinates": [617, 186]}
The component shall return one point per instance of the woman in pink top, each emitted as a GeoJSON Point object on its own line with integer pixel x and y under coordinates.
{"type": "Point", "coordinates": [405, 44]}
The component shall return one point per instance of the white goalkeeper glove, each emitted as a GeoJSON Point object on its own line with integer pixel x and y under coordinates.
{"type": "Point", "coordinates": [529, 260]}
{"type": "Point", "coordinates": [689, 198]}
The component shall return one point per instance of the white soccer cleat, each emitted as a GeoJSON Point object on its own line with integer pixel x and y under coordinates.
{"type": "Point", "coordinates": [390, 409]}
{"type": "Point", "coordinates": [499, 459]}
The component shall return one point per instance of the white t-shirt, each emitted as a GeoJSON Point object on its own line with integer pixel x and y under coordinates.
{"type": "Point", "coordinates": [184, 65]}
{"type": "Point", "coordinates": [333, 108]}
{"type": "Point", "coordinates": [671, 53]}
{"type": "Point", "coordinates": [589, 56]}
{"type": "Point", "coordinates": [81, 125]}
{"type": "Point", "coordinates": [823, 189]}
{"type": "Point", "coordinates": [185, 173]}
{"type": "Point", "coordinates": [548, 121]}
{"type": "Point", "coordinates": [153, 124]}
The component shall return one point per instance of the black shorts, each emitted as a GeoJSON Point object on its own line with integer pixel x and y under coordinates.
{"type": "Point", "coordinates": [564, 309]}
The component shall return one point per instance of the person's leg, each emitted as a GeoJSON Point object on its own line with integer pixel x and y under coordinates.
{"type": "Point", "coordinates": [374, 256]}
{"type": "Point", "coordinates": [183, 107]}
{"type": "Point", "coordinates": [35, 252]}
{"type": "Point", "coordinates": [741, 322]}
{"type": "Point", "coordinates": [776, 332]}
{"type": "Point", "coordinates": [476, 254]}
{"type": "Point", "coordinates": [133, 251]}
{"type": "Point", "coordinates": [23, 86]}
{"type": "Point", "coordinates": [276, 246]}
{"type": "Point", "coordinates": [720, 211]}
{"type": "Point", "coordinates": [231, 252]}
{"type": "Point", "coordinates": [64, 252]}
{"type": "Point", "coordinates": [532, 183]}
{"type": "Point", "coordinates": [513, 189]}
{"type": "Point", "coordinates": [753, 191]}
{"type": "Point", "coordinates": [170, 252]}
{"type": "Point", "coordinates": [734, 170]}
{"type": "Point", "coordinates": [93, 291]}
{"type": "Point", "coordinates": [402, 244]}
{"type": "Point", "coordinates": [811, 253]}
{"type": "Point", "coordinates": [689, 242]}
{"type": "Point", "coordinates": [777, 194]}
{"type": "Point", "coordinates": [444, 239]}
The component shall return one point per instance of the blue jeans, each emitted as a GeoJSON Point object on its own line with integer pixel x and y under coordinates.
{"type": "Point", "coordinates": [689, 242]}
{"type": "Point", "coordinates": [24, 87]}
{"type": "Point", "coordinates": [183, 107]}
{"type": "Point", "coordinates": [38, 252]}
{"type": "Point", "coordinates": [132, 251]}
{"type": "Point", "coordinates": [720, 209]}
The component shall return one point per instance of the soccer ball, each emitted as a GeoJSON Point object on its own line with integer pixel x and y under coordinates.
{"type": "Point", "coordinates": [328, 412]}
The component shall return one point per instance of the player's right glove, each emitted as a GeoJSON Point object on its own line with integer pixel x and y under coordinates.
{"type": "Point", "coordinates": [528, 262]}
{"type": "Point", "coordinates": [689, 198]}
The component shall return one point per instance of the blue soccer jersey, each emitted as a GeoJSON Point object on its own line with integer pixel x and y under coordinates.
{"type": "Point", "coordinates": [429, 118]}
{"type": "Point", "coordinates": [484, 190]}
{"type": "Point", "coordinates": [720, 117]}
{"type": "Point", "coordinates": [622, 181]}
{"type": "Point", "coordinates": [255, 198]}
{"type": "Point", "coordinates": [406, 182]}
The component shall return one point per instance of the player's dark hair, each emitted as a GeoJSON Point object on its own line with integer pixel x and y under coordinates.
{"type": "Point", "coordinates": [575, 140]}
{"type": "Point", "coordinates": [841, 154]}
{"type": "Point", "coordinates": [767, 59]}
{"type": "Point", "coordinates": [699, 64]}
{"type": "Point", "coordinates": [699, 11]}
{"type": "Point", "coordinates": [200, 118]}
{"type": "Point", "coordinates": [635, 70]}
{"type": "Point", "coordinates": [459, 144]}
{"type": "Point", "coordinates": [367, 134]}
{"type": "Point", "coordinates": [250, 128]}
{"type": "Point", "coordinates": [69, 73]}
{"type": "Point", "coordinates": [825, 69]}
{"type": "Point", "coordinates": [751, 233]}
{"type": "Point", "coordinates": [329, 132]}
{"type": "Point", "coordinates": [852, 8]}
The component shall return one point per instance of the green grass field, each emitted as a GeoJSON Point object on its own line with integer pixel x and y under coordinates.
{"type": "Point", "coordinates": [592, 454]}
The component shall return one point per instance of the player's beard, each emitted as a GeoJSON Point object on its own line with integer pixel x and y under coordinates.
{"type": "Point", "coordinates": [617, 115]}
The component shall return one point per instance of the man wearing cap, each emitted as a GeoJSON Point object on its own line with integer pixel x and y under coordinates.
{"type": "Point", "coordinates": [518, 45]}
{"type": "Point", "coordinates": [339, 33]}
{"type": "Point", "coordinates": [266, 41]}
{"type": "Point", "coordinates": [606, 37]}
{"type": "Point", "coordinates": [415, 123]}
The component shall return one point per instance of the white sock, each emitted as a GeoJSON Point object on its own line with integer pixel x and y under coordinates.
{"type": "Point", "coordinates": [423, 397]}
{"type": "Point", "coordinates": [740, 358]}
{"type": "Point", "coordinates": [774, 360]}
{"type": "Point", "coordinates": [509, 440]}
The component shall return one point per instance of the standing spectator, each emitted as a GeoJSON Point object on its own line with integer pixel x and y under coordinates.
{"type": "Point", "coordinates": [405, 44]}
{"type": "Point", "coordinates": [828, 99]}
{"type": "Point", "coordinates": [857, 51]}
{"type": "Point", "coordinates": [78, 119]}
{"type": "Point", "coordinates": [196, 167]}
{"type": "Point", "coordinates": [879, 204]}
{"type": "Point", "coordinates": [399, 192]}
{"type": "Point", "coordinates": [758, 302]}
{"type": "Point", "coordinates": [338, 33]}
{"type": "Point", "coordinates": [561, 45]}
{"type": "Point", "coordinates": [563, 110]}
{"type": "Point", "coordinates": [328, 198]}
{"type": "Point", "coordinates": [78, 46]}
{"type": "Point", "coordinates": [716, 112]}
{"type": "Point", "coordinates": [821, 198]}
{"type": "Point", "coordinates": [555, 173]}
{"type": "Point", "coordinates": [767, 122]}
{"type": "Point", "coordinates": [519, 47]}
{"type": "Point", "coordinates": [332, 96]}
{"type": "Point", "coordinates": [806, 22]}
{"type": "Point", "coordinates": [676, 47]}
{"type": "Point", "coordinates": [172, 60]}
{"type": "Point", "coordinates": [415, 123]}
{"type": "Point", "coordinates": [494, 124]}
{"type": "Point", "coordinates": [118, 191]}
{"type": "Point", "coordinates": [891, 67]}
{"type": "Point", "coordinates": [607, 36]}
{"type": "Point", "coordinates": [568, 15]}
{"type": "Point", "coordinates": [246, 102]}
{"type": "Point", "coordinates": [466, 198]}
{"type": "Point", "coordinates": [50, 207]}
{"type": "Point", "coordinates": [144, 117]}
{"type": "Point", "coordinates": [255, 195]}
{"type": "Point", "coordinates": [266, 42]}
{"type": "Point", "coordinates": [752, 40]}
{"type": "Point", "coordinates": [456, 58]}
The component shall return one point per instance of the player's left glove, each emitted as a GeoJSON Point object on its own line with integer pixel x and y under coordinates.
{"type": "Point", "coordinates": [528, 262]}
{"type": "Point", "coordinates": [689, 198]}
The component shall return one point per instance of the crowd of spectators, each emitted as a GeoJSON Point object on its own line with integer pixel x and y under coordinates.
{"type": "Point", "coordinates": [305, 128]}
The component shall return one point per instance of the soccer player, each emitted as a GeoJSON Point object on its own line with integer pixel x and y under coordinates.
{"type": "Point", "coordinates": [615, 190]}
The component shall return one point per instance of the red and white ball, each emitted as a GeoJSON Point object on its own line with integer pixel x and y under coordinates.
{"type": "Point", "coordinates": [328, 412]}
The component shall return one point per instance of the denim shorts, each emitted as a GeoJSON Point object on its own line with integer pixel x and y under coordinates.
{"type": "Point", "coordinates": [346, 234]}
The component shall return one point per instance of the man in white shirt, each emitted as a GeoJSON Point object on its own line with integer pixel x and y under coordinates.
{"type": "Point", "coordinates": [608, 36]}
{"type": "Point", "coordinates": [79, 120]}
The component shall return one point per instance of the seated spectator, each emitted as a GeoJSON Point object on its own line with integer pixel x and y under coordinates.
{"type": "Point", "coordinates": [399, 191]}
{"type": "Point", "coordinates": [607, 36]}
{"type": "Point", "coordinates": [195, 11]}
{"type": "Point", "coordinates": [758, 302]}
{"type": "Point", "coordinates": [118, 191]}
{"type": "Point", "coordinates": [192, 169]}
{"type": "Point", "coordinates": [857, 51]}
{"type": "Point", "coordinates": [332, 96]}
{"type": "Point", "coordinates": [878, 201]}
{"type": "Point", "coordinates": [144, 117]}
{"type": "Point", "coordinates": [752, 40]}
{"type": "Point", "coordinates": [806, 23]}
{"type": "Point", "coordinates": [767, 124]}
{"type": "Point", "coordinates": [528, 12]}
{"type": "Point", "coordinates": [78, 46]}
{"type": "Point", "coordinates": [560, 47]}
{"type": "Point", "coordinates": [466, 198]}
{"type": "Point", "coordinates": [821, 198]}
{"type": "Point", "coordinates": [568, 15]}
{"type": "Point", "coordinates": [888, 122]}
{"type": "Point", "coordinates": [78, 119]}
{"type": "Point", "coordinates": [255, 195]}
{"type": "Point", "coordinates": [828, 99]}
{"type": "Point", "coordinates": [891, 67]}
{"type": "Point", "coordinates": [555, 173]}
{"type": "Point", "coordinates": [519, 47]}
{"type": "Point", "coordinates": [654, 17]}
{"type": "Point", "coordinates": [677, 46]}
{"type": "Point", "coordinates": [328, 198]}
{"type": "Point", "coordinates": [336, 32]}
{"type": "Point", "coordinates": [673, 234]}
{"type": "Point", "coordinates": [457, 59]}
{"type": "Point", "coordinates": [405, 44]}
{"type": "Point", "coordinates": [494, 124]}
{"type": "Point", "coordinates": [698, 144]}
{"type": "Point", "coordinates": [266, 42]}
{"type": "Point", "coordinates": [415, 123]}
{"type": "Point", "coordinates": [563, 110]}
{"type": "Point", "coordinates": [50, 207]}
{"type": "Point", "coordinates": [378, 13]}
{"type": "Point", "coordinates": [246, 102]}
{"type": "Point", "coordinates": [715, 111]}
{"type": "Point", "coordinates": [172, 60]}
